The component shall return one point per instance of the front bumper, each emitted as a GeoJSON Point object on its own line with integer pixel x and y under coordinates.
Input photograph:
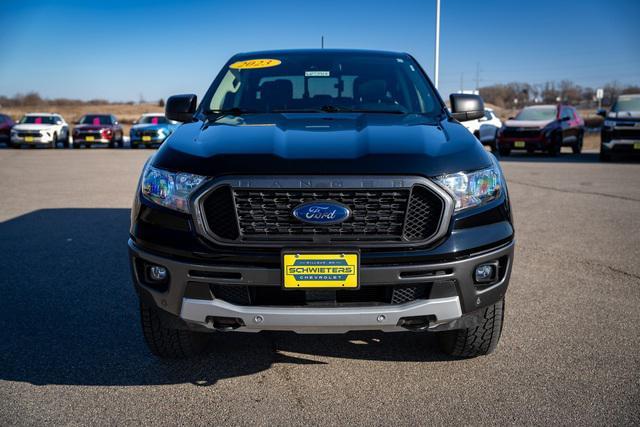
{"type": "Point", "coordinates": [34, 140]}
{"type": "Point", "coordinates": [82, 140]}
{"type": "Point", "coordinates": [443, 310]}
{"type": "Point", "coordinates": [623, 145]}
{"type": "Point", "coordinates": [530, 143]}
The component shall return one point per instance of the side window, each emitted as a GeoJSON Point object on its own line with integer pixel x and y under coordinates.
{"type": "Point", "coordinates": [566, 112]}
{"type": "Point", "coordinates": [487, 115]}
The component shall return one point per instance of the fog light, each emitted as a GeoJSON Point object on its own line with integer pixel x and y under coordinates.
{"type": "Point", "coordinates": [157, 273]}
{"type": "Point", "coordinates": [486, 273]}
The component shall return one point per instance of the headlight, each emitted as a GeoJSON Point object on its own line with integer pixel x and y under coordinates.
{"type": "Point", "coordinates": [472, 189]}
{"type": "Point", "coordinates": [168, 189]}
{"type": "Point", "coordinates": [609, 123]}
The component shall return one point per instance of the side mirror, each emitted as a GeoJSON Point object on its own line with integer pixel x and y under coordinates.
{"type": "Point", "coordinates": [466, 107]}
{"type": "Point", "coordinates": [601, 112]}
{"type": "Point", "coordinates": [58, 122]}
{"type": "Point", "coordinates": [181, 107]}
{"type": "Point", "coordinates": [565, 119]}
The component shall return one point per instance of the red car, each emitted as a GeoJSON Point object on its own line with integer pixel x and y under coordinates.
{"type": "Point", "coordinates": [542, 128]}
{"type": "Point", "coordinates": [5, 128]}
{"type": "Point", "coordinates": [98, 129]}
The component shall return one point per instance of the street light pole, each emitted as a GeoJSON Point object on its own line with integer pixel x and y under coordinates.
{"type": "Point", "coordinates": [436, 71]}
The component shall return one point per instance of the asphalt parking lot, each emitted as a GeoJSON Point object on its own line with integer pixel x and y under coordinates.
{"type": "Point", "coordinates": [71, 350]}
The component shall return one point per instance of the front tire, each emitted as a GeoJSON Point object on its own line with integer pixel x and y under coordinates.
{"type": "Point", "coordinates": [166, 342]}
{"type": "Point", "coordinates": [477, 341]}
{"type": "Point", "coordinates": [605, 156]}
{"type": "Point", "coordinates": [556, 145]}
{"type": "Point", "coordinates": [504, 151]}
{"type": "Point", "coordinates": [54, 141]}
{"type": "Point", "coordinates": [577, 146]}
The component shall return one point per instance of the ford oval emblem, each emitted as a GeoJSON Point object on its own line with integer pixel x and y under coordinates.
{"type": "Point", "coordinates": [322, 212]}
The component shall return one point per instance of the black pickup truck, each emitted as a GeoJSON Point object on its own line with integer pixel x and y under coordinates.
{"type": "Point", "coordinates": [321, 191]}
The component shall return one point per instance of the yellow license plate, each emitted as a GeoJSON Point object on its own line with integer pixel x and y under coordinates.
{"type": "Point", "coordinates": [146, 138]}
{"type": "Point", "coordinates": [320, 270]}
{"type": "Point", "coordinates": [519, 144]}
{"type": "Point", "coordinates": [636, 146]}
{"type": "Point", "coordinates": [28, 139]}
{"type": "Point", "coordinates": [89, 138]}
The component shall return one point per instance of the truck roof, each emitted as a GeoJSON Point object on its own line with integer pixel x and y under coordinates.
{"type": "Point", "coordinates": [317, 52]}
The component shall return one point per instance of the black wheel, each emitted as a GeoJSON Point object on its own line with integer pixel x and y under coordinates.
{"type": "Point", "coordinates": [477, 341]}
{"type": "Point", "coordinates": [111, 143]}
{"type": "Point", "coordinates": [121, 141]}
{"type": "Point", "coordinates": [167, 342]}
{"type": "Point", "coordinates": [555, 146]}
{"type": "Point", "coordinates": [504, 151]}
{"type": "Point", "coordinates": [577, 146]}
{"type": "Point", "coordinates": [54, 141]}
{"type": "Point", "coordinates": [65, 141]}
{"type": "Point", "coordinates": [605, 156]}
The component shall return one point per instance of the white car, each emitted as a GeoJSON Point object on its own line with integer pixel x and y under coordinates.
{"type": "Point", "coordinates": [40, 129]}
{"type": "Point", "coordinates": [485, 128]}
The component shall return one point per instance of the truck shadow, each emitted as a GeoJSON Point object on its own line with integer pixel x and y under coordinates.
{"type": "Point", "coordinates": [70, 314]}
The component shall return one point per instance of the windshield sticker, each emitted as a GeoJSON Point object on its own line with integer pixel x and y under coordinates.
{"type": "Point", "coordinates": [154, 121]}
{"type": "Point", "coordinates": [38, 120]}
{"type": "Point", "coordinates": [255, 63]}
{"type": "Point", "coordinates": [317, 73]}
{"type": "Point", "coordinates": [96, 121]}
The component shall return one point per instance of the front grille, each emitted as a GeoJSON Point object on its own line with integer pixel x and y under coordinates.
{"type": "Point", "coordinates": [630, 133]}
{"type": "Point", "coordinates": [266, 214]}
{"type": "Point", "coordinates": [35, 134]}
{"type": "Point", "coordinates": [276, 296]}
{"type": "Point", "coordinates": [412, 214]}
{"type": "Point", "coordinates": [521, 132]}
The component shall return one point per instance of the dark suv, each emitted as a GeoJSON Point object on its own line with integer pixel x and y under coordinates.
{"type": "Point", "coordinates": [620, 134]}
{"type": "Point", "coordinates": [321, 191]}
{"type": "Point", "coordinates": [542, 128]}
{"type": "Point", "coordinates": [98, 129]}
{"type": "Point", "coordinates": [5, 128]}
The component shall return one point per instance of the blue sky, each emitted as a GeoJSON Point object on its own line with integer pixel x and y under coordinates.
{"type": "Point", "coordinates": [122, 50]}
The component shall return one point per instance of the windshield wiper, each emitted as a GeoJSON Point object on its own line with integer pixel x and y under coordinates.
{"type": "Point", "coordinates": [235, 111]}
{"type": "Point", "coordinates": [336, 109]}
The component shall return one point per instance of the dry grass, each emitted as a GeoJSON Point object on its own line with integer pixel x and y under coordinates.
{"type": "Point", "coordinates": [126, 113]}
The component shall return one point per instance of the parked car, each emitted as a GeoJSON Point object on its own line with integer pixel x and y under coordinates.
{"type": "Point", "coordinates": [38, 129]}
{"type": "Point", "coordinates": [98, 129]}
{"type": "Point", "coordinates": [321, 191]}
{"type": "Point", "coordinates": [485, 128]}
{"type": "Point", "coordinates": [151, 129]}
{"type": "Point", "coordinates": [5, 128]}
{"type": "Point", "coordinates": [542, 128]}
{"type": "Point", "coordinates": [620, 132]}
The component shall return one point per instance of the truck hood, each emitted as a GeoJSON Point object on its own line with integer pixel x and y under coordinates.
{"type": "Point", "coordinates": [33, 126]}
{"type": "Point", "coordinates": [527, 123]}
{"type": "Point", "coordinates": [305, 144]}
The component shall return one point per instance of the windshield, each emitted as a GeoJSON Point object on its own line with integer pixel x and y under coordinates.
{"type": "Point", "coordinates": [537, 113]}
{"type": "Point", "coordinates": [627, 103]}
{"type": "Point", "coordinates": [153, 120]}
{"type": "Point", "coordinates": [38, 120]}
{"type": "Point", "coordinates": [331, 82]}
{"type": "Point", "coordinates": [95, 119]}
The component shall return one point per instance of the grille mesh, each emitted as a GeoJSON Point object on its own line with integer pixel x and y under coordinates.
{"type": "Point", "coordinates": [221, 214]}
{"type": "Point", "coordinates": [377, 215]}
{"type": "Point", "coordinates": [263, 214]}
{"type": "Point", "coordinates": [424, 214]}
